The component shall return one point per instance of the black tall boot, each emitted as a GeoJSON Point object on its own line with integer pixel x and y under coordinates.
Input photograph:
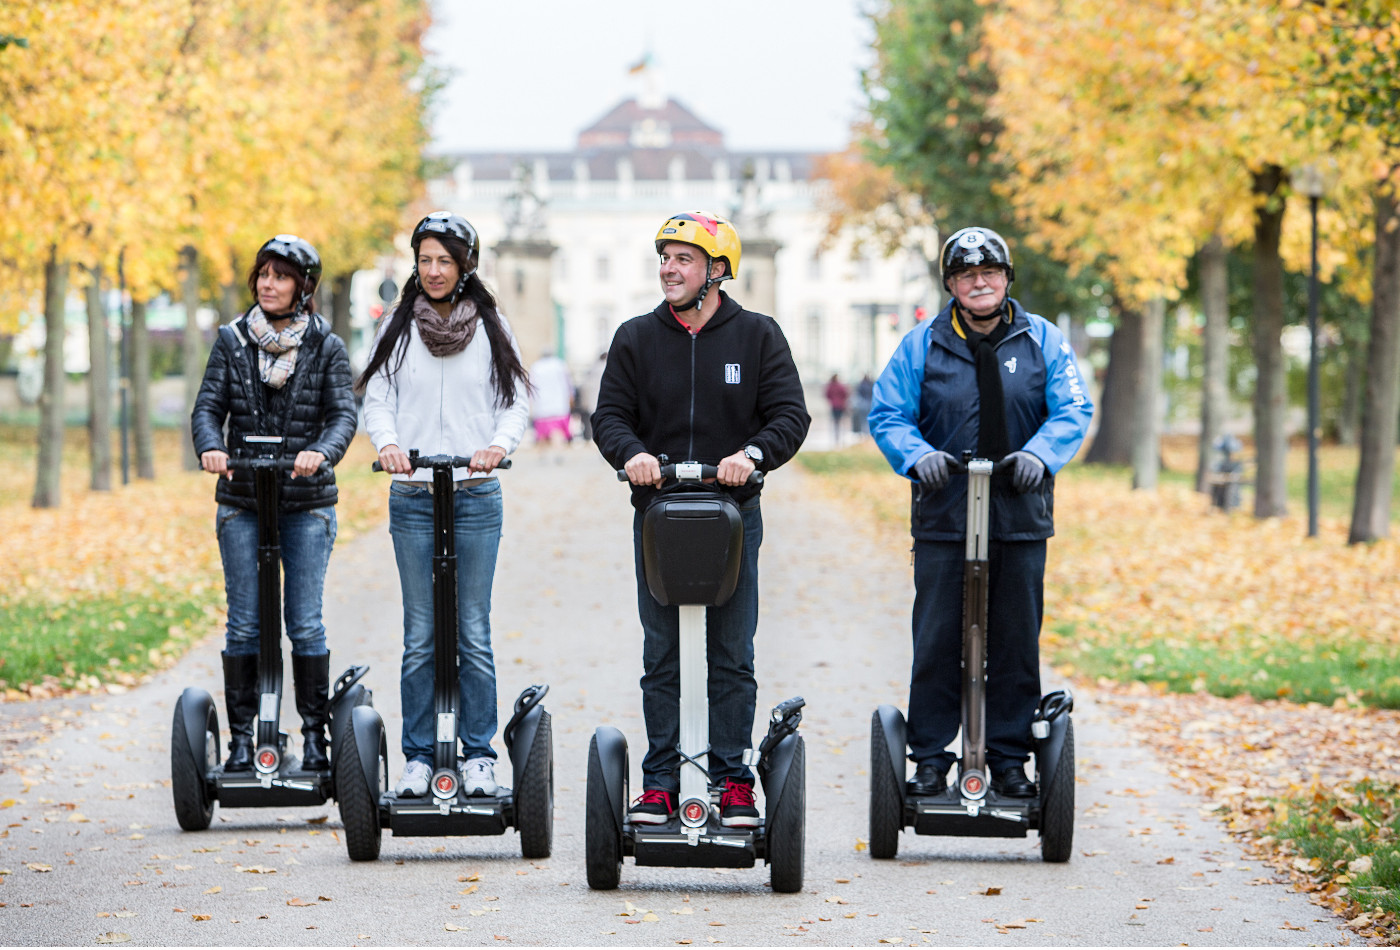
{"type": "Point", "coordinates": [241, 701]}
{"type": "Point", "coordinates": [312, 677]}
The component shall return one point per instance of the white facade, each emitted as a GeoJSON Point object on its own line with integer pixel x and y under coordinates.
{"type": "Point", "coordinates": [602, 205]}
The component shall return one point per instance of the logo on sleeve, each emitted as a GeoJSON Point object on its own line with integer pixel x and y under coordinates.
{"type": "Point", "coordinates": [1010, 365]}
{"type": "Point", "coordinates": [731, 373]}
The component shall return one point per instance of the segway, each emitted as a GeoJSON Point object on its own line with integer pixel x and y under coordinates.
{"type": "Point", "coordinates": [367, 803]}
{"type": "Point", "coordinates": [277, 779]}
{"type": "Point", "coordinates": [971, 807]}
{"type": "Point", "coordinates": [692, 544]}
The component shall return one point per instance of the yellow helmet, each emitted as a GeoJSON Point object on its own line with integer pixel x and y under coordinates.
{"type": "Point", "coordinates": [712, 234]}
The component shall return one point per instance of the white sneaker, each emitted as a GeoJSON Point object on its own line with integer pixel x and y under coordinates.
{"type": "Point", "coordinates": [479, 776]}
{"type": "Point", "coordinates": [414, 783]}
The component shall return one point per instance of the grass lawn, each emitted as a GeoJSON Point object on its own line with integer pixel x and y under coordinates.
{"type": "Point", "coordinates": [111, 585]}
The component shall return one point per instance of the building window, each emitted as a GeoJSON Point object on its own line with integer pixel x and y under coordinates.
{"type": "Point", "coordinates": [604, 324]}
{"type": "Point", "coordinates": [813, 348]}
{"type": "Point", "coordinates": [603, 267]}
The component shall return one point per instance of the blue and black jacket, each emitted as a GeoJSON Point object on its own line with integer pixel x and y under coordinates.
{"type": "Point", "coordinates": [926, 399]}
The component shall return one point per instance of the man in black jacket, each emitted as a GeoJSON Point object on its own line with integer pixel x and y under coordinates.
{"type": "Point", "coordinates": [700, 379]}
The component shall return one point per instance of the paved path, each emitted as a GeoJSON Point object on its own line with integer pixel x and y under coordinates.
{"type": "Point", "coordinates": [91, 851]}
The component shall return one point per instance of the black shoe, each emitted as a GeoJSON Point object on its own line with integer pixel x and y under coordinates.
{"type": "Point", "coordinates": [736, 807]}
{"type": "Point", "coordinates": [1011, 781]}
{"type": "Point", "coordinates": [241, 702]}
{"type": "Point", "coordinates": [655, 806]}
{"type": "Point", "coordinates": [311, 674]}
{"type": "Point", "coordinates": [928, 779]}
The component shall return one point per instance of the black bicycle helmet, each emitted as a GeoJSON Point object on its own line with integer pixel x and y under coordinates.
{"type": "Point", "coordinates": [974, 247]}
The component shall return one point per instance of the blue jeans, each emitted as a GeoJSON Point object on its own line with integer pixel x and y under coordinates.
{"type": "Point", "coordinates": [306, 538]}
{"type": "Point", "coordinates": [1015, 605]}
{"type": "Point", "coordinates": [477, 515]}
{"type": "Point", "coordinates": [733, 690]}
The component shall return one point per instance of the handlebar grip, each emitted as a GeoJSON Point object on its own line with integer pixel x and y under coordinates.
{"type": "Point", "coordinates": [236, 464]}
{"type": "Point", "coordinates": [457, 462]}
{"type": "Point", "coordinates": [706, 471]}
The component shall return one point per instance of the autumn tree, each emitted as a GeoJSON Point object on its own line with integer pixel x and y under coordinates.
{"type": "Point", "coordinates": [1137, 133]}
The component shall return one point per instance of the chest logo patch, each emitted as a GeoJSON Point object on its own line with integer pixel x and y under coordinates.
{"type": "Point", "coordinates": [731, 373]}
{"type": "Point", "coordinates": [1010, 365]}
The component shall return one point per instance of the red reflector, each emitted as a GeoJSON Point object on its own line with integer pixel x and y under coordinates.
{"type": "Point", "coordinates": [268, 759]}
{"type": "Point", "coordinates": [974, 785]}
{"type": "Point", "coordinates": [694, 811]}
{"type": "Point", "coordinates": [445, 783]}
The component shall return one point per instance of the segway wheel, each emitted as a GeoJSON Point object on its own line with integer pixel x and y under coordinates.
{"type": "Point", "coordinates": [358, 794]}
{"type": "Point", "coordinates": [534, 799]}
{"type": "Point", "coordinates": [602, 828]}
{"type": "Point", "coordinates": [786, 827]}
{"type": "Point", "coordinates": [1057, 806]}
{"type": "Point", "coordinates": [194, 805]}
{"type": "Point", "coordinates": [886, 807]}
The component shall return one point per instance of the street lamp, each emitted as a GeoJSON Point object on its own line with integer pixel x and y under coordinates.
{"type": "Point", "coordinates": [1310, 180]}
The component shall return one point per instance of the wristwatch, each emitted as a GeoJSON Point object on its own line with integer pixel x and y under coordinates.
{"type": "Point", "coordinates": [754, 454]}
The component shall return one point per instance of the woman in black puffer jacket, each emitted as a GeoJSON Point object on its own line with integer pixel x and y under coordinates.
{"type": "Point", "coordinates": [277, 371]}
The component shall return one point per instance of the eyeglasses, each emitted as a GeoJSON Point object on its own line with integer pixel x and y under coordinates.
{"type": "Point", "coordinates": [989, 274]}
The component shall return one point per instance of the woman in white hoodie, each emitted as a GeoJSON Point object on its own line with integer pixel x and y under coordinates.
{"type": "Point", "coordinates": [446, 378]}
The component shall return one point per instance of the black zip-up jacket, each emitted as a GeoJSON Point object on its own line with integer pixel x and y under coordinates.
{"type": "Point", "coordinates": [700, 398]}
{"type": "Point", "coordinates": [317, 411]}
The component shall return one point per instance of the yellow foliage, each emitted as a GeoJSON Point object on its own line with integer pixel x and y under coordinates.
{"type": "Point", "coordinates": [150, 125]}
{"type": "Point", "coordinates": [1132, 128]}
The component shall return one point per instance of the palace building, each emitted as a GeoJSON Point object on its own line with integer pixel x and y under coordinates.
{"type": "Point", "coordinates": [567, 239]}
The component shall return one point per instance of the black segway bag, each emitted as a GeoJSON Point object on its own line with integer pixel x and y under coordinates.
{"type": "Point", "coordinates": [692, 543]}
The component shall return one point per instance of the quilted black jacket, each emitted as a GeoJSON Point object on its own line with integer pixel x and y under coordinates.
{"type": "Point", "coordinates": [318, 411]}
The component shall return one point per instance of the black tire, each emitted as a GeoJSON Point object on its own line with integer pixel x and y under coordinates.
{"type": "Point", "coordinates": [602, 828]}
{"type": "Point", "coordinates": [886, 805]}
{"type": "Point", "coordinates": [786, 827]}
{"type": "Point", "coordinates": [194, 805]}
{"type": "Point", "coordinates": [534, 799]}
{"type": "Point", "coordinates": [340, 725]}
{"type": "Point", "coordinates": [358, 795]}
{"type": "Point", "coordinates": [1057, 806]}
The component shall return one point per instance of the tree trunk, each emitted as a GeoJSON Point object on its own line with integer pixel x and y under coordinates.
{"type": "Point", "coordinates": [1349, 419]}
{"type": "Point", "coordinates": [230, 299]}
{"type": "Point", "coordinates": [1215, 348]}
{"type": "Point", "coordinates": [1113, 441]}
{"type": "Point", "coordinates": [1147, 401]}
{"type": "Point", "coordinates": [340, 306]}
{"type": "Point", "coordinates": [1370, 519]}
{"type": "Point", "coordinates": [141, 391]}
{"type": "Point", "coordinates": [46, 478]}
{"type": "Point", "coordinates": [191, 350]}
{"type": "Point", "coordinates": [99, 385]}
{"type": "Point", "coordinates": [1270, 393]}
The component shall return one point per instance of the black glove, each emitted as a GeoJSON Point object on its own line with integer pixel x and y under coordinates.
{"type": "Point", "coordinates": [1028, 473]}
{"type": "Point", "coordinates": [932, 469]}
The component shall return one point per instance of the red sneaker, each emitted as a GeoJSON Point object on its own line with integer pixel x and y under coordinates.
{"type": "Point", "coordinates": [653, 807]}
{"type": "Point", "coordinates": [736, 807]}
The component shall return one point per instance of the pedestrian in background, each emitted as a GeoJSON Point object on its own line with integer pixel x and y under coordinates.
{"type": "Point", "coordinates": [837, 394]}
{"type": "Point", "coordinates": [551, 398]}
{"type": "Point", "coordinates": [588, 394]}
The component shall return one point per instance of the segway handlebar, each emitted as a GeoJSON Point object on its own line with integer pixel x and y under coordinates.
{"type": "Point", "coordinates": [244, 464]}
{"type": "Point", "coordinates": [961, 468]}
{"type": "Point", "coordinates": [438, 461]}
{"type": "Point", "coordinates": [693, 472]}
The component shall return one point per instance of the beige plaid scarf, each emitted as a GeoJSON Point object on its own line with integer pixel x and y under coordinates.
{"type": "Point", "coordinates": [277, 350]}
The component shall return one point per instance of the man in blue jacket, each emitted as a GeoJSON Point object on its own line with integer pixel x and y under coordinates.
{"type": "Point", "coordinates": [986, 376]}
{"type": "Point", "coordinates": [700, 379]}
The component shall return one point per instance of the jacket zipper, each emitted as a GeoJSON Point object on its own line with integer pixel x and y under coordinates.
{"type": "Point", "coordinates": [691, 454]}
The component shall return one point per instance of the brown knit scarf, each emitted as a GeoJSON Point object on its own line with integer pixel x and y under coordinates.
{"type": "Point", "coordinates": [445, 337]}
